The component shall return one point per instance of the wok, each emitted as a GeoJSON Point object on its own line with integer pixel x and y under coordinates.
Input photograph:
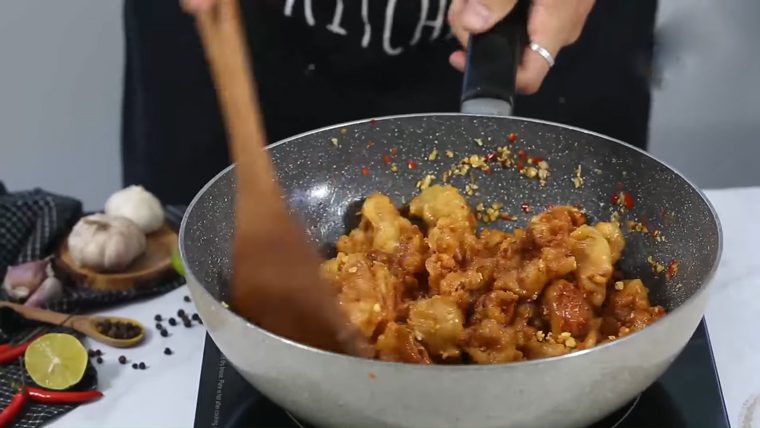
{"type": "Point", "coordinates": [327, 172]}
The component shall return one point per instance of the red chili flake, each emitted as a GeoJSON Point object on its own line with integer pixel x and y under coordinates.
{"type": "Point", "coordinates": [365, 171]}
{"type": "Point", "coordinates": [628, 200]}
{"type": "Point", "coordinates": [672, 269]}
{"type": "Point", "coordinates": [411, 164]}
{"type": "Point", "coordinates": [394, 151]}
{"type": "Point", "coordinates": [525, 207]}
{"type": "Point", "coordinates": [522, 155]}
{"type": "Point", "coordinates": [373, 122]}
{"type": "Point", "coordinates": [387, 159]}
{"type": "Point", "coordinates": [520, 167]}
{"type": "Point", "coordinates": [370, 144]}
{"type": "Point", "coordinates": [491, 156]}
{"type": "Point", "coordinates": [488, 170]}
{"type": "Point", "coordinates": [372, 376]}
{"type": "Point", "coordinates": [512, 137]}
{"type": "Point", "coordinates": [615, 198]}
{"type": "Point", "coordinates": [537, 159]}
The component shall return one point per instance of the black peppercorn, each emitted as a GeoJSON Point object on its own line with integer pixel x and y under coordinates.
{"type": "Point", "coordinates": [172, 322]}
{"type": "Point", "coordinates": [98, 352]}
{"type": "Point", "coordinates": [159, 326]}
{"type": "Point", "coordinates": [122, 359]}
{"type": "Point", "coordinates": [134, 366]}
{"type": "Point", "coordinates": [167, 351]}
{"type": "Point", "coordinates": [142, 366]}
{"type": "Point", "coordinates": [164, 333]}
{"type": "Point", "coordinates": [196, 317]}
{"type": "Point", "coordinates": [91, 353]}
{"type": "Point", "coordinates": [99, 360]}
{"type": "Point", "coordinates": [187, 323]}
{"type": "Point", "coordinates": [187, 298]}
{"type": "Point", "coordinates": [181, 313]}
{"type": "Point", "coordinates": [157, 317]}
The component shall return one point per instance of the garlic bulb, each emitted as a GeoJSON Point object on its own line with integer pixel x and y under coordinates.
{"type": "Point", "coordinates": [138, 205]}
{"type": "Point", "coordinates": [105, 243]}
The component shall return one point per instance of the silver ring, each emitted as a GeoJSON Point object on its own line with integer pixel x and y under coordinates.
{"type": "Point", "coordinates": [535, 47]}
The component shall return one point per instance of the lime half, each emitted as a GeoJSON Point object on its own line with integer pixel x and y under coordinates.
{"type": "Point", "coordinates": [56, 361]}
{"type": "Point", "coordinates": [177, 263]}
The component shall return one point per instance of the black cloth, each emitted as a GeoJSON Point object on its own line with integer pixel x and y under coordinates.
{"type": "Point", "coordinates": [312, 72]}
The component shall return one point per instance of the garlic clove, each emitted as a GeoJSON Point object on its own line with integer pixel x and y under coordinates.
{"type": "Point", "coordinates": [21, 280]}
{"type": "Point", "coordinates": [49, 291]}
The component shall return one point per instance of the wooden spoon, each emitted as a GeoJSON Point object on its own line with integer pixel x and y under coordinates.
{"type": "Point", "coordinates": [276, 281]}
{"type": "Point", "coordinates": [81, 323]}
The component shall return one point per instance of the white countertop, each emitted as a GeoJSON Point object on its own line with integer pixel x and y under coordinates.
{"type": "Point", "coordinates": [164, 395]}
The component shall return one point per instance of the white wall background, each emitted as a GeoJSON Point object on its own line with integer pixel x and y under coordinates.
{"type": "Point", "coordinates": [60, 93]}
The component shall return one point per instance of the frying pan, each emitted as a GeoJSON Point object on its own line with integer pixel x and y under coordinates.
{"type": "Point", "coordinates": [325, 174]}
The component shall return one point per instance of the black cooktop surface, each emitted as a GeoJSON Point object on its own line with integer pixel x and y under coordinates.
{"type": "Point", "coordinates": [687, 395]}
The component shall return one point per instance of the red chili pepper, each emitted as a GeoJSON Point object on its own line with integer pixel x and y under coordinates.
{"type": "Point", "coordinates": [61, 397]}
{"type": "Point", "coordinates": [525, 207]}
{"type": "Point", "coordinates": [512, 137]}
{"type": "Point", "coordinates": [488, 170]}
{"type": "Point", "coordinates": [411, 164]}
{"type": "Point", "coordinates": [12, 410]}
{"type": "Point", "coordinates": [5, 346]}
{"type": "Point", "coordinates": [491, 156]}
{"type": "Point", "coordinates": [628, 200]}
{"type": "Point", "coordinates": [387, 159]}
{"type": "Point", "coordinates": [12, 354]}
{"type": "Point", "coordinates": [365, 171]}
{"type": "Point", "coordinates": [615, 198]}
{"type": "Point", "coordinates": [672, 269]}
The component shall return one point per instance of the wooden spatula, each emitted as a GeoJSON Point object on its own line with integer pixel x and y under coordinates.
{"type": "Point", "coordinates": [276, 281]}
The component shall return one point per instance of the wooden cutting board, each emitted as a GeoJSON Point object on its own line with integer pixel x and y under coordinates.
{"type": "Point", "coordinates": [152, 267]}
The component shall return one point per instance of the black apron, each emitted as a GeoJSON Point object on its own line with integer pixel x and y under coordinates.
{"type": "Point", "coordinates": [322, 62]}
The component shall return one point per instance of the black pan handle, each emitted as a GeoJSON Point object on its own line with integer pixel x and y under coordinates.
{"type": "Point", "coordinates": [491, 68]}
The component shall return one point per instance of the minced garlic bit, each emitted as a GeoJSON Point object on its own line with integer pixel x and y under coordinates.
{"type": "Point", "coordinates": [540, 335]}
{"type": "Point", "coordinates": [334, 141]}
{"type": "Point", "coordinates": [570, 343]}
{"type": "Point", "coordinates": [433, 155]}
{"type": "Point", "coordinates": [376, 307]}
{"type": "Point", "coordinates": [657, 267]}
{"type": "Point", "coordinates": [425, 182]}
{"type": "Point", "coordinates": [394, 167]}
{"type": "Point", "coordinates": [449, 154]}
{"type": "Point", "coordinates": [578, 178]}
{"type": "Point", "coordinates": [565, 335]}
{"type": "Point", "coordinates": [531, 172]}
{"type": "Point", "coordinates": [479, 142]}
{"type": "Point", "coordinates": [343, 131]}
{"type": "Point", "coordinates": [225, 304]}
{"type": "Point", "coordinates": [634, 226]}
{"type": "Point", "coordinates": [611, 337]}
{"type": "Point", "coordinates": [679, 286]}
{"type": "Point", "coordinates": [619, 285]}
{"type": "Point", "coordinates": [615, 217]}
{"type": "Point", "coordinates": [657, 235]}
{"type": "Point", "coordinates": [353, 269]}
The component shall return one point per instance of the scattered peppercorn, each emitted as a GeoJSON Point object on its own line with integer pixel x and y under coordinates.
{"type": "Point", "coordinates": [122, 359]}
{"type": "Point", "coordinates": [159, 326]}
{"type": "Point", "coordinates": [187, 298]}
{"type": "Point", "coordinates": [91, 353]}
{"type": "Point", "coordinates": [157, 317]}
{"type": "Point", "coordinates": [134, 366]}
{"type": "Point", "coordinates": [164, 333]}
{"type": "Point", "coordinates": [98, 352]}
{"type": "Point", "coordinates": [181, 313]}
{"type": "Point", "coordinates": [172, 322]}
{"type": "Point", "coordinates": [142, 366]}
{"type": "Point", "coordinates": [196, 317]}
{"type": "Point", "coordinates": [99, 360]}
{"type": "Point", "coordinates": [187, 323]}
{"type": "Point", "coordinates": [167, 351]}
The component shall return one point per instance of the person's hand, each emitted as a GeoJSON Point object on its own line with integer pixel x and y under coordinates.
{"type": "Point", "coordinates": [552, 24]}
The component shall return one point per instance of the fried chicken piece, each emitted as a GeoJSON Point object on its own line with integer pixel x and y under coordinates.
{"type": "Point", "coordinates": [529, 277]}
{"type": "Point", "coordinates": [463, 287]}
{"type": "Point", "coordinates": [497, 305]}
{"type": "Point", "coordinates": [544, 348]}
{"type": "Point", "coordinates": [489, 342]}
{"type": "Point", "coordinates": [397, 343]}
{"type": "Point", "coordinates": [438, 266]}
{"type": "Point", "coordinates": [438, 323]}
{"type": "Point", "coordinates": [614, 236]}
{"type": "Point", "coordinates": [454, 237]}
{"type": "Point", "coordinates": [629, 310]}
{"type": "Point", "coordinates": [566, 309]}
{"type": "Point", "coordinates": [368, 292]}
{"type": "Point", "coordinates": [357, 241]}
{"type": "Point", "coordinates": [491, 240]}
{"type": "Point", "coordinates": [437, 202]}
{"type": "Point", "coordinates": [553, 226]}
{"type": "Point", "coordinates": [594, 258]}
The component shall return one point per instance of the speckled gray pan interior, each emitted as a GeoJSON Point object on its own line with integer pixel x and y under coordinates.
{"type": "Point", "coordinates": [323, 179]}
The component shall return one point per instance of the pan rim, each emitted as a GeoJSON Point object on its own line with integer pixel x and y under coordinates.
{"type": "Point", "coordinates": [638, 335]}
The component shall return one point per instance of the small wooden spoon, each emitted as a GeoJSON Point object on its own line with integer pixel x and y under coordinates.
{"type": "Point", "coordinates": [276, 281]}
{"type": "Point", "coordinates": [81, 323]}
